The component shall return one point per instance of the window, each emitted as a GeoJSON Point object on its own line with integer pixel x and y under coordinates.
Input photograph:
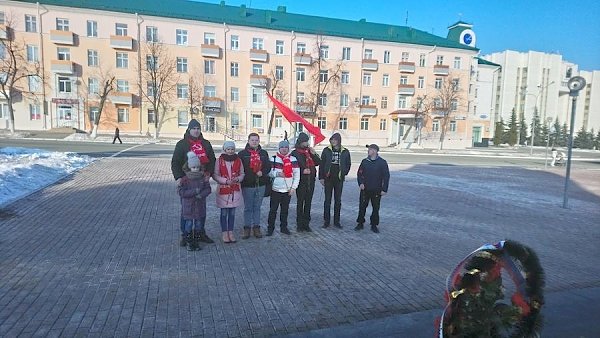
{"type": "Point", "coordinates": [386, 80]}
{"type": "Point", "coordinates": [181, 37]}
{"type": "Point", "coordinates": [122, 115]}
{"type": "Point", "coordinates": [382, 124]}
{"type": "Point", "coordinates": [257, 96]}
{"type": "Point", "coordinates": [2, 22]}
{"type": "Point", "coordinates": [365, 100]}
{"type": "Point", "coordinates": [421, 82]}
{"type": "Point", "coordinates": [438, 83]}
{"type": "Point", "coordinates": [322, 122]}
{"type": "Point", "coordinates": [258, 43]}
{"type": "Point", "coordinates": [122, 60]}
{"type": "Point", "coordinates": [209, 38]}
{"type": "Point", "coordinates": [30, 23]}
{"type": "Point", "coordinates": [405, 56]}
{"type": "Point", "coordinates": [122, 86]}
{"type": "Point", "coordinates": [92, 29]}
{"type": "Point", "coordinates": [301, 47]}
{"type": "Point", "coordinates": [235, 94]}
{"type": "Point", "coordinates": [94, 114]}
{"type": "Point", "coordinates": [386, 56]}
{"type": "Point", "coordinates": [454, 105]}
{"type": "Point", "coordinates": [235, 120]}
{"type": "Point", "coordinates": [35, 83]}
{"type": "Point", "coordinates": [384, 102]}
{"type": "Point", "coordinates": [2, 51]}
{"type": "Point", "coordinates": [182, 65]}
{"type": "Point", "coordinates": [63, 53]}
{"type": "Point", "coordinates": [150, 89]}
{"type": "Point", "coordinates": [368, 54]}
{"type": "Point", "coordinates": [209, 66]}
{"type": "Point", "coordinates": [435, 125]}
{"type": "Point", "coordinates": [439, 60]}
{"type": "Point", "coordinates": [151, 116]}
{"type": "Point", "coordinates": [278, 121]}
{"type": "Point", "coordinates": [322, 98]}
{"type": "Point", "coordinates": [324, 52]}
{"type": "Point", "coordinates": [151, 34]}
{"type": "Point", "coordinates": [366, 80]}
{"type": "Point", "coordinates": [346, 53]}
{"type": "Point", "coordinates": [422, 60]}
{"type": "Point", "coordinates": [437, 102]}
{"type": "Point", "coordinates": [452, 126]}
{"type": "Point", "coordinates": [62, 24]}
{"type": "Point", "coordinates": [34, 112]}
{"type": "Point", "coordinates": [455, 84]}
{"type": "Point", "coordinates": [182, 118]}
{"type": "Point", "coordinates": [345, 78]}
{"type": "Point", "coordinates": [235, 42]}
{"type": "Point", "coordinates": [32, 53]}
{"type": "Point", "coordinates": [151, 62]}
{"type": "Point", "coordinates": [364, 123]}
{"type": "Point", "coordinates": [257, 121]}
{"type": "Point", "coordinates": [402, 104]}
{"type": "Point", "coordinates": [234, 69]}
{"type": "Point", "coordinates": [457, 62]}
{"type": "Point", "coordinates": [279, 47]}
{"type": "Point", "coordinates": [323, 76]}
{"type": "Point", "coordinates": [64, 112]}
{"type": "Point", "coordinates": [182, 91]}
{"type": "Point", "coordinates": [257, 69]}
{"type": "Point", "coordinates": [344, 100]}
{"type": "Point", "coordinates": [278, 72]}
{"type": "Point", "coordinates": [121, 29]}
{"type": "Point", "coordinates": [300, 74]}
{"type": "Point", "coordinates": [343, 124]}
{"type": "Point", "coordinates": [403, 79]}
{"type": "Point", "coordinates": [64, 84]}
{"type": "Point", "coordinates": [210, 91]}
{"type": "Point", "coordinates": [93, 86]}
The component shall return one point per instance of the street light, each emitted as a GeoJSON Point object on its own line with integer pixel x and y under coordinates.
{"type": "Point", "coordinates": [550, 131]}
{"type": "Point", "coordinates": [575, 84]}
{"type": "Point", "coordinates": [539, 94]}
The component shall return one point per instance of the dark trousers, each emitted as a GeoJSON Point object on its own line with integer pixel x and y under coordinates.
{"type": "Point", "coordinates": [333, 186]}
{"type": "Point", "coordinates": [117, 138]}
{"type": "Point", "coordinates": [279, 199]}
{"type": "Point", "coordinates": [367, 196]}
{"type": "Point", "coordinates": [304, 194]}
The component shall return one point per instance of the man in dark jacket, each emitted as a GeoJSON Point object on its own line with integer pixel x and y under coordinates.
{"type": "Point", "coordinates": [335, 165]}
{"type": "Point", "coordinates": [373, 179]}
{"type": "Point", "coordinates": [308, 160]}
{"type": "Point", "coordinates": [193, 141]}
{"type": "Point", "coordinates": [256, 167]}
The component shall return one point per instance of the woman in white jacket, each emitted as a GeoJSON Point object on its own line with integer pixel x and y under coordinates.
{"type": "Point", "coordinates": [286, 177]}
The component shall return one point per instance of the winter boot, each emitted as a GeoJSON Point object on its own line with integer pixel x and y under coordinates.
{"type": "Point", "coordinates": [204, 238]}
{"type": "Point", "coordinates": [191, 242]}
{"type": "Point", "coordinates": [359, 226]}
{"type": "Point", "coordinates": [183, 240]}
{"type": "Point", "coordinates": [226, 237]}
{"type": "Point", "coordinates": [374, 229]}
{"type": "Point", "coordinates": [285, 230]}
{"type": "Point", "coordinates": [257, 233]}
{"type": "Point", "coordinates": [270, 230]}
{"type": "Point", "coordinates": [246, 234]}
{"type": "Point", "coordinates": [231, 238]}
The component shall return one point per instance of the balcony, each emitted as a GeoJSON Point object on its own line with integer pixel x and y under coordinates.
{"type": "Point", "coordinates": [62, 67]}
{"type": "Point", "coordinates": [302, 59]}
{"type": "Point", "coordinates": [3, 32]}
{"type": "Point", "coordinates": [406, 89]}
{"type": "Point", "coordinates": [62, 37]}
{"type": "Point", "coordinates": [259, 55]}
{"type": "Point", "coordinates": [259, 80]}
{"type": "Point", "coordinates": [406, 67]}
{"type": "Point", "coordinates": [368, 109]}
{"type": "Point", "coordinates": [121, 98]}
{"type": "Point", "coordinates": [212, 105]}
{"type": "Point", "coordinates": [441, 70]}
{"type": "Point", "coordinates": [370, 64]}
{"type": "Point", "coordinates": [211, 51]}
{"type": "Point", "coordinates": [121, 42]}
{"type": "Point", "coordinates": [305, 109]}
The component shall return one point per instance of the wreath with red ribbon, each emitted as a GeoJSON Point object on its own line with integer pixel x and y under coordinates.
{"type": "Point", "coordinates": [475, 293]}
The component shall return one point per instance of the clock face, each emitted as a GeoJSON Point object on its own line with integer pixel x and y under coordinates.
{"type": "Point", "coordinates": [467, 39]}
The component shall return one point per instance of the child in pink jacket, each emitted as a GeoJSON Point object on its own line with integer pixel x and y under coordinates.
{"type": "Point", "coordinates": [229, 172]}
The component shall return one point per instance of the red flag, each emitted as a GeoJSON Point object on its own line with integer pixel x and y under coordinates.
{"type": "Point", "coordinates": [292, 116]}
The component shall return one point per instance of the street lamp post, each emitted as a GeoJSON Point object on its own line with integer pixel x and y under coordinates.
{"type": "Point", "coordinates": [537, 110]}
{"type": "Point", "coordinates": [550, 131]}
{"type": "Point", "coordinates": [575, 84]}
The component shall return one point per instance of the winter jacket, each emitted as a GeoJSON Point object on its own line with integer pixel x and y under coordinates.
{"type": "Point", "coordinates": [302, 164]}
{"type": "Point", "coordinates": [284, 184]}
{"type": "Point", "coordinates": [374, 174]}
{"type": "Point", "coordinates": [180, 156]}
{"type": "Point", "coordinates": [250, 179]}
{"type": "Point", "coordinates": [232, 199]}
{"type": "Point", "coordinates": [193, 192]}
{"type": "Point", "coordinates": [325, 167]}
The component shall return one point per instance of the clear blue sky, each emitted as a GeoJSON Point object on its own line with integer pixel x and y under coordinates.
{"type": "Point", "coordinates": [570, 28]}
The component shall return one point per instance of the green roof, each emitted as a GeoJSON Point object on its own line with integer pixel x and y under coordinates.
{"type": "Point", "coordinates": [485, 62]}
{"type": "Point", "coordinates": [276, 20]}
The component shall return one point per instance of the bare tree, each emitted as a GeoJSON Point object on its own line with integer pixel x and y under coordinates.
{"type": "Point", "coordinates": [15, 70]}
{"type": "Point", "coordinates": [159, 80]}
{"type": "Point", "coordinates": [421, 108]}
{"type": "Point", "coordinates": [273, 86]}
{"type": "Point", "coordinates": [195, 92]}
{"type": "Point", "coordinates": [325, 75]}
{"type": "Point", "coordinates": [445, 103]}
{"type": "Point", "coordinates": [99, 91]}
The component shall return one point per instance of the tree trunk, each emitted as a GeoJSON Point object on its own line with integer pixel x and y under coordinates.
{"type": "Point", "coordinates": [94, 133]}
{"type": "Point", "coordinates": [11, 113]}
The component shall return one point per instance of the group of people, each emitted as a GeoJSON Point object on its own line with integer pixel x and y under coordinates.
{"type": "Point", "coordinates": [251, 174]}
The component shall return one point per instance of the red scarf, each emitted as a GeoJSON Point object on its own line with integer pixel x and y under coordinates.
{"type": "Point", "coordinates": [309, 160]}
{"type": "Point", "coordinates": [255, 162]}
{"type": "Point", "coordinates": [287, 165]}
{"type": "Point", "coordinates": [198, 149]}
{"type": "Point", "coordinates": [235, 172]}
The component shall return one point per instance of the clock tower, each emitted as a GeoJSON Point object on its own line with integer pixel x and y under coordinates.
{"type": "Point", "coordinates": [462, 33]}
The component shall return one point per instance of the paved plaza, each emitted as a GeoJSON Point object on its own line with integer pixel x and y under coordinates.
{"type": "Point", "coordinates": [97, 254]}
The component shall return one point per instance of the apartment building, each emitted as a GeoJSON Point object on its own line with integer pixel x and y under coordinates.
{"type": "Point", "coordinates": [364, 80]}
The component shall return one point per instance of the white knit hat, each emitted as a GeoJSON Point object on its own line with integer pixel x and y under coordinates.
{"type": "Point", "coordinates": [228, 144]}
{"type": "Point", "coordinates": [193, 160]}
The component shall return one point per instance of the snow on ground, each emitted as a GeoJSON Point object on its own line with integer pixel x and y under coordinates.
{"type": "Point", "coordinates": [25, 170]}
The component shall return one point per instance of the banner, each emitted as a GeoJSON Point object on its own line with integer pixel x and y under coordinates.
{"type": "Point", "coordinates": [292, 116]}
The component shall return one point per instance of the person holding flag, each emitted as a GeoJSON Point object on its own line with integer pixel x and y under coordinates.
{"type": "Point", "coordinates": [308, 160]}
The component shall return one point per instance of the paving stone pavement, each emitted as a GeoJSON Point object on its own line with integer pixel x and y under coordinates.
{"type": "Point", "coordinates": [97, 254]}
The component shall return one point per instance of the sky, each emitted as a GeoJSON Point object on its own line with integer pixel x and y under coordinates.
{"type": "Point", "coordinates": [569, 28]}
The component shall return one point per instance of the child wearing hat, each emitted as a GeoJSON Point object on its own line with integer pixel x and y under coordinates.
{"type": "Point", "coordinates": [193, 192]}
{"type": "Point", "coordinates": [286, 177]}
{"type": "Point", "coordinates": [229, 172]}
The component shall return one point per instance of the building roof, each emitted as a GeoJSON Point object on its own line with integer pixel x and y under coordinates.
{"type": "Point", "coordinates": [276, 20]}
{"type": "Point", "coordinates": [485, 62]}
